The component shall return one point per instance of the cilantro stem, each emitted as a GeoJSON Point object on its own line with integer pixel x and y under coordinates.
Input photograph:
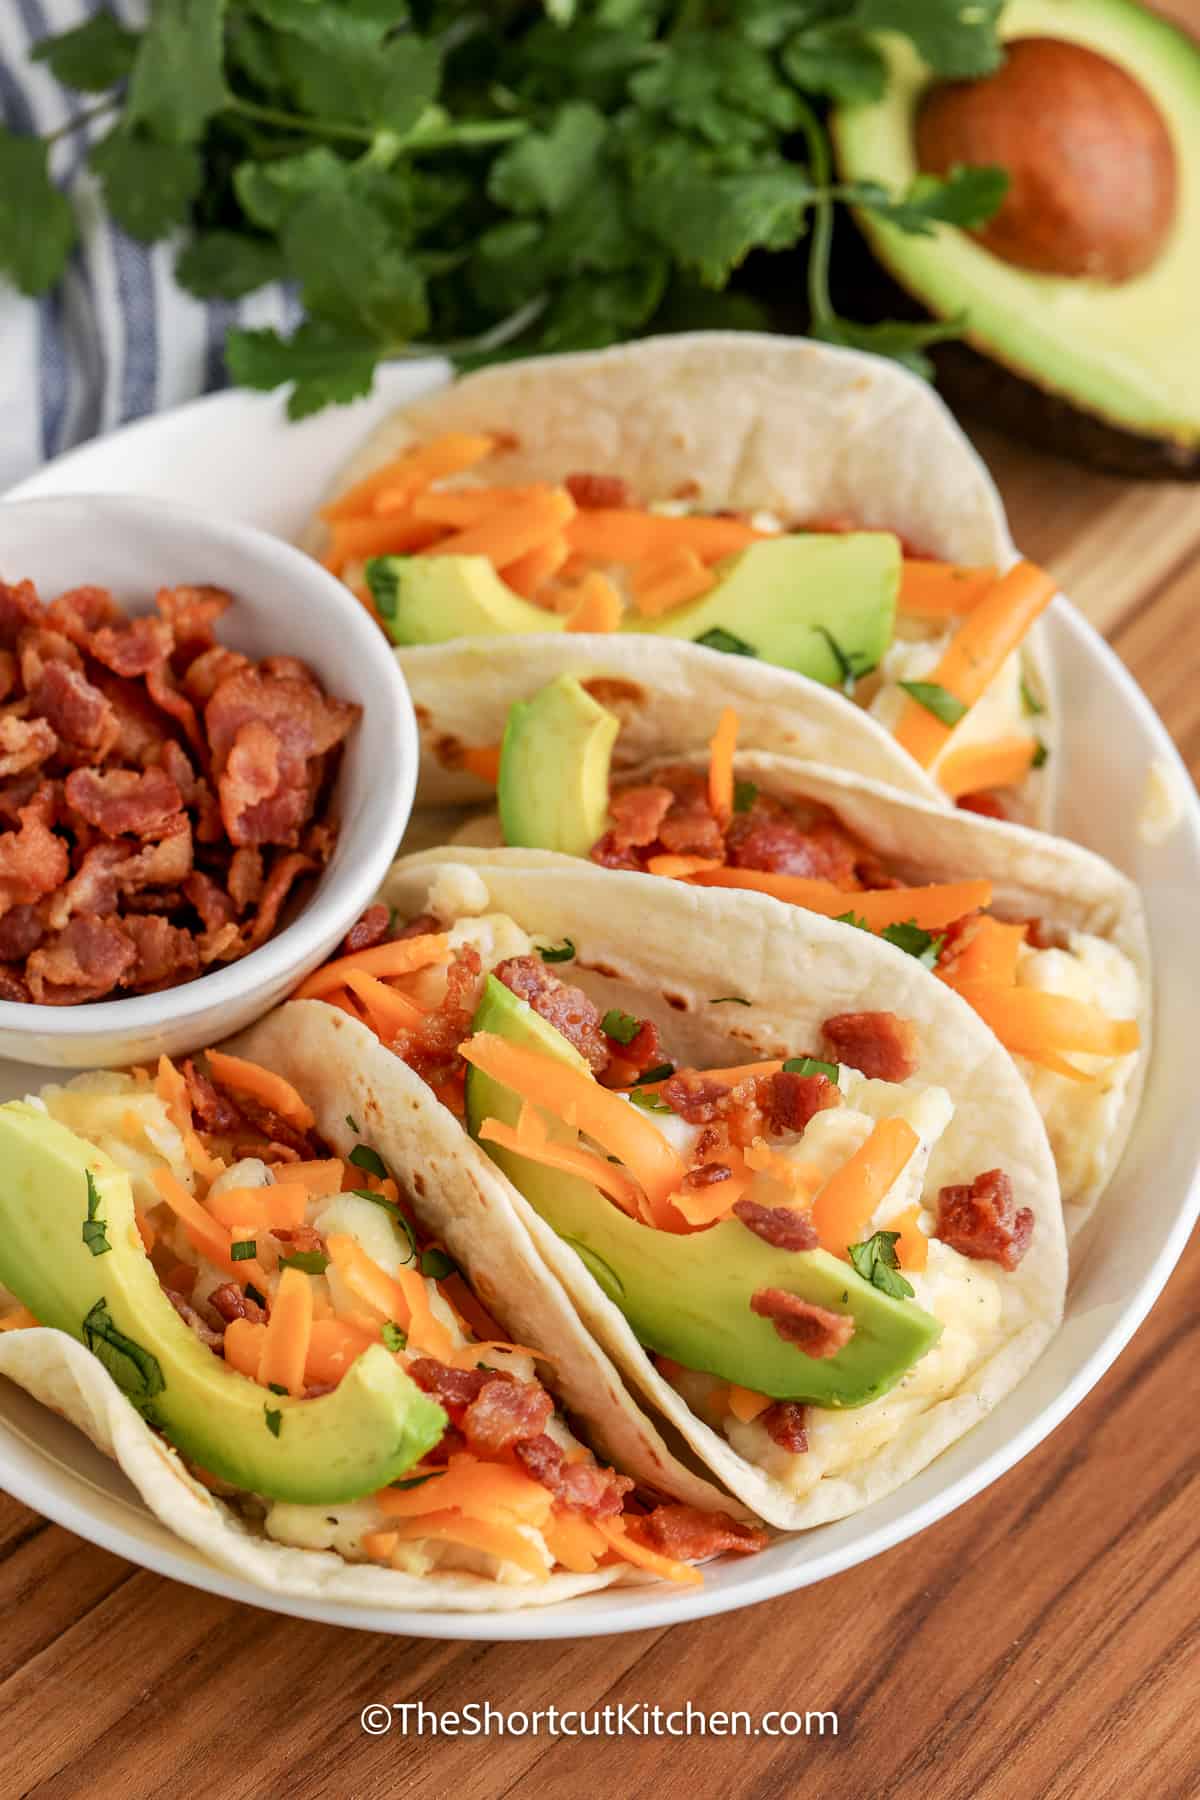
{"type": "Point", "coordinates": [273, 115]}
{"type": "Point", "coordinates": [81, 119]}
{"type": "Point", "coordinates": [464, 134]}
{"type": "Point", "coordinates": [822, 315]}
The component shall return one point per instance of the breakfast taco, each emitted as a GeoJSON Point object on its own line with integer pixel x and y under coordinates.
{"type": "Point", "coordinates": [727, 502]}
{"type": "Point", "coordinates": [817, 1278]}
{"type": "Point", "coordinates": [214, 1274]}
{"type": "Point", "coordinates": [1046, 940]}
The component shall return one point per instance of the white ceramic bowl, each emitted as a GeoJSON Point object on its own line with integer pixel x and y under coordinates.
{"type": "Point", "coordinates": [236, 453]}
{"type": "Point", "coordinates": [285, 605]}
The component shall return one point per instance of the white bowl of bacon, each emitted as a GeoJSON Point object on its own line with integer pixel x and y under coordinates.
{"type": "Point", "coordinates": [207, 761]}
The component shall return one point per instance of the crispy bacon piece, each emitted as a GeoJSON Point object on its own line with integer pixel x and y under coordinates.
{"type": "Point", "coordinates": [21, 930]}
{"type": "Point", "coordinates": [707, 1175]}
{"type": "Point", "coordinates": [772, 837]}
{"type": "Point", "coordinates": [689, 828]}
{"type": "Point", "coordinates": [231, 1303]}
{"type": "Point", "coordinates": [285, 873]}
{"type": "Point", "coordinates": [643, 1051]}
{"type": "Point", "coordinates": [815, 1330]}
{"type": "Point", "coordinates": [19, 608]}
{"type": "Point", "coordinates": [881, 1045]}
{"type": "Point", "coordinates": [79, 714]}
{"type": "Point", "coordinates": [786, 1424]}
{"type": "Point", "coordinates": [637, 813]}
{"type": "Point", "coordinates": [83, 962]}
{"type": "Point", "coordinates": [24, 744]}
{"type": "Point", "coordinates": [122, 802]}
{"type": "Point", "coordinates": [246, 877]}
{"type": "Point", "coordinates": [273, 1128]}
{"type": "Point", "coordinates": [762, 1105]}
{"type": "Point", "coordinates": [210, 900]}
{"type": "Point", "coordinates": [9, 674]}
{"type": "Point", "coordinates": [190, 614]}
{"type": "Point", "coordinates": [982, 1220]}
{"type": "Point", "coordinates": [785, 1227]}
{"type": "Point", "coordinates": [142, 734]}
{"type": "Point", "coordinates": [421, 926]}
{"type": "Point", "coordinates": [792, 1099]}
{"type": "Point", "coordinates": [13, 985]}
{"type": "Point", "coordinates": [611, 855]}
{"type": "Point", "coordinates": [504, 1413]}
{"type": "Point", "coordinates": [33, 860]}
{"type": "Point", "coordinates": [588, 490]}
{"type": "Point", "coordinates": [214, 1340]}
{"type": "Point", "coordinates": [367, 932]}
{"type": "Point", "coordinates": [696, 1098]}
{"type": "Point", "coordinates": [133, 647]}
{"type": "Point", "coordinates": [81, 611]}
{"type": "Point", "coordinates": [37, 648]}
{"type": "Point", "coordinates": [215, 1111]}
{"type": "Point", "coordinates": [567, 1008]}
{"type": "Point", "coordinates": [282, 694]}
{"type": "Point", "coordinates": [165, 692]}
{"type": "Point", "coordinates": [584, 1487]}
{"type": "Point", "coordinates": [205, 674]}
{"type": "Point", "coordinates": [686, 1534]}
{"type": "Point", "coordinates": [166, 953]}
{"type": "Point", "coordinates": [454, 1389]}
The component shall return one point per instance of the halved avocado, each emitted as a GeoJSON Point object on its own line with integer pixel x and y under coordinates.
{"type": "Point", "coordinates": [688, 1297]}
{"type": "Point", "coordinates": [1104, 369]}
{"type": "Point", "coordinates": [70, 1251]}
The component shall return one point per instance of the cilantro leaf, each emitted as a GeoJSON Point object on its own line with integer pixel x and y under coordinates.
{"type": "Point", "coordinates": [647, 1101]}
{"type": "Point", "coordinates": [717, 638]}
{"type": "Point", "coordinates": [660, 1072]}
{"type": "Point", "coordinates": [95, 1230]}
{"type": "Point", "coordinates": [93, 57]}
{"type": "Point", "coordinates": [364, 1157]}
{"type": "Point", "coordinates": [729, 1000]}
{"type": "Point", "coordinates": [546, 171]}
{"type": "Point", "coordinates": [37, 225]}
{"type": "Point", "coordinates": [338, 69]}
{"type": "Point", "coordinates": [710, 218]}
{"type": "Point", "coordinates": [148, 187]}
{"type": "Point", "coordinates": [954, 39]}
{"type": "Point", "coordinates": [910, 937]}
{"type": "Point", "coordinates": [564, 952]}
{"type": "Point", "coordinates": [838, 59]}
{"type": "Point", "coordinates": [274, 1419]}
{"type": "Point", "coordinates": [964, 197]}
{"type": "Point", "coordinates": [811, 1065]}
{"type": "Point", "coordinates": [904, 342]}
{"type": "Point", "coordinates": [416, 1481]}
{"type": "Point", "coordinates": [876, 1261]}
{"type": "Point", "coordinates": [178, 79]}
{"type": "Point", "coordinates": [1039, 755]}
{"type": "Point", "coordinates": [1031, 706]}
{"type": "Point", "coordinates": [718, 86]}
{"type": "Point", "coordinates": [937, 700]}
{"type": "Point", "coordinates": [136, 1372]}
{"type": "Point", "coordinates": [394, 1338]}
{"type": "Point", "coordinates": [851, 918]}
{"type": "Point", "coordinates": [745, 793]}
{"type": "Point", "coordinates": [437, 1265]}
{"type": "Point", "coordinates": [325, 366]}
{"type": "Point", "coordinates": [621, 1026]}
{"type": "Point", "coordinates": [224, 265]}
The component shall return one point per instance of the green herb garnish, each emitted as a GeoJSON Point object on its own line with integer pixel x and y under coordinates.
{"type": "Point", "coordinates": [937, 700]}
{"type": "Point", "coordinates": [274, 1420]}
{"type": "Point", "coordinates": [416, 1481]}
{"type": "Point", "coordinates": [852, 918]}
{"type": "Point", "coordinates": [910, 937]}
{"type": "Point", "coordinates": [95, 1231]}
{"type": "Point", "coordinates": [363, 1157]}
{"type": "Point", "coordinates": [252, 1293]}
{"type": "Point", "coordinates": [243, 1250]}
{"type": "Point", "coordinates": [622, 1027]}
{"type": "Point", "coordinates": [556, 953]}
{"type": "Point", "coordinates": [876, 1261]}
{"type": "Point", "coordinates": [309, 1262]}
{"type": "Point", "coordinates": [1039, 755]}
{"type": "Point", "coordinates": [277, 1389]}
{"type": "Point", "coordinates": [437, 1265]}
{"type": "Point", "coordinates": [660, 1072]}
{"type": "Point", "coordinates": [394, 1339]}
{"type": "Point", "coordinates": [353, 1124]}
{"type": "Point", "coordinates": [1031, 706]}
{"type": "Point", "coordinates": [136, 1372]}
{"type": "Point", "coordinates": [745, 793]}
{"type": "Point", "coordinates": [648, 1102]}
{"type": "Point", "coordinates": [849, 676]}
{"type": "Point", "coordinates": [811, 1065]}
{"type": "Point", "coordinates": [717, 638]}
{"type": "Point", "coordinates": [729, 1000]}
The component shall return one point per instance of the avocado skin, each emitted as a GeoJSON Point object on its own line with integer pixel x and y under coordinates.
{"type": "Point", "coordinates": [552, 789]}
{"type": "Point", "coordinates": [789, 596]}
{"type": "Point", "coordinates": [372, 1428]}
{"type": "Point", "coordinates": [688, 1296]}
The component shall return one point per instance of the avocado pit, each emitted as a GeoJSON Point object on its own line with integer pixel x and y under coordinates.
{"type": "Point", "coordinates": [1092, 168]}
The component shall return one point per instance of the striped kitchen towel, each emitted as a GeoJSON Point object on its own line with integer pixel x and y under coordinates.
{"type": "Point", "coordinates": [117, 338]}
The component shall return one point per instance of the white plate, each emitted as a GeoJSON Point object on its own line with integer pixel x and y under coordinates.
{"type": "Point", "coordinates": [236, 454]}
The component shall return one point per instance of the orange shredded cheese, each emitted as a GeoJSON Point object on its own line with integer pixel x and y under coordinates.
{"type": "Point", "coordinates": [930, 907]}
{"type": "Point", "coordinates": [937, 590]}
{"type": "Point", "coordinates": [1001, 763]}
{"type": "Point", "coordinates": [615, 1535]}
{"type": "Point", "coordinates": [414, 469]}
{"type": "Point", "coordinates": [402, 957]}
{"type": "Point", "coordinates": [505, 536]}
{"type": "Point", "coordinates": [846, 1203]}
{"type": "Point", "coordinates": [529, 1139]}
{"type": "Point", "coordinates": [263, 1085]}
{"type": "Point", "coordinates": [669, 579]}
{"type": "Point", "coordinates": [288, 1331]}
{"type": "Point", "coordinates": [596, 605]}
{"type": "Point", "coordinates": [720, 766]}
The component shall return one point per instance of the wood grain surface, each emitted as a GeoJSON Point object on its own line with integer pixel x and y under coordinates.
{"type": "Point", "coordinates": [1042, 1641]}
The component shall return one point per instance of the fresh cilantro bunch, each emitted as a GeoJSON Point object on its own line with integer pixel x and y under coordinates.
{"type": "Point", "coordinates": [483, 180]}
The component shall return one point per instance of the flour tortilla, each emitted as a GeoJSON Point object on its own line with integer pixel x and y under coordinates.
{"type": "Point", "coordinates": [1033, 876]}
{"type": "Point", "coordinates": [342, 1068]}
{"type": "Point", "coordinates": [665, 951]}
{"type": "Point", "coordinates": [731, 419]}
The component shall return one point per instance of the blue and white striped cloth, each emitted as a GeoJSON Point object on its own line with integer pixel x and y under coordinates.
{"type": "Point", "coordinates": [118, 338]}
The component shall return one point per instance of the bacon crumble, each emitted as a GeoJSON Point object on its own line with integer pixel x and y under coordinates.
{"type": "Point", "coordinates": [981, 1220]}
{"type": "Point", "coordinates": [814, 1330]}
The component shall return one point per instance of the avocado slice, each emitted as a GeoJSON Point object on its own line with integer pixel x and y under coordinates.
{"type": "Point", "coordinates": [376, 1424]}
{"type": "Point", "coordinates": [430, 599]}
{"type": "Point", "coordinates": [688, 1297]}
{"type": "Point", "coordinates": [552, 789]}
{"type": "Point", "coordinates": [822, 604]}
{"type": "Point", "coordinates": [1101, 370]}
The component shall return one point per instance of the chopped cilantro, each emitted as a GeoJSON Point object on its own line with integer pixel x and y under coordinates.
{"type": "Point", "coordinates": [274, 1420]}
{"type": "Point", "coordinates": [394, 1339]}
{"type": "Point", "coordinates": [243, 1250]}
{"type": "Point", "coordinates": [1039, 755]}
{"type": "Point", "coordinates": [915, 941]}
{"type": "Point", "coordinates": [363, 1157]}
{"type": "Point", "coordinates": [876, 1261]}
{"type": "Point", "coordinates": [252, 1293]}
{"type": "Point", "coordinates": [851, 918]}
{"type": "Point", "coordinates": [811, 1065]}
{"type": "Point", "coordinates": [848, 674]}
{"type": "Point", "coordinates": [554, 953]}
{"type": "Point", "coordinates": [660, 1072]}
{"type": "Point", "coordinates": [745, 793]}
{"type": "Point", "coordinates": [621, 1026]}
{"type": "Point", "coordinates": [276, 1389]}
{"type": "Point", "coordinates": [648, 1102]}
{"type": "Point", "coordinates": [309, 1262]}
{"type": "Point", "coordinates": [1030, 704]}
{"type": "Point", "coordinates": [937, 700]}
{"type": "Point", "coordinates": [352, 1123]}
{"type": "Point", "coordinates": [136, 1372]}
{"type": "Point", "coordinates": [416, 1481]}
{"type": "Point", "coordinates": [717, 638]}
{"type": "Point", "coordinates": [95, 1231]}
{"type": "Point", "coordinates": [437, 1265]}
{"type": "Point", "coordinates": [729, 1000]}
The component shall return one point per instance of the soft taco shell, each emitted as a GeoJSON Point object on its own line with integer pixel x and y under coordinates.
{"type": "Point", "coordinates": [728, 419]}
{"type": "Point", "coordinates": [1033, 876]}
{"type": "Point", "coordinates": [665, 952]}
